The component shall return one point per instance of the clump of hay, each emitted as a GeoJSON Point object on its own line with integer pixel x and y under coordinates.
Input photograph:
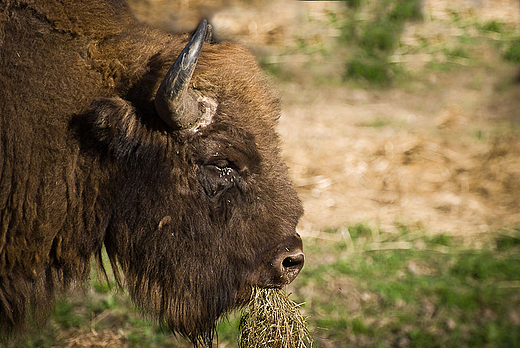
{"type": "Point", "coordinates": [272, 320]}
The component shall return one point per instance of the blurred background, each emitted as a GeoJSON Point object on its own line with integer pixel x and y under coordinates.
{"type": "Point", "coordinates": [401, 128]}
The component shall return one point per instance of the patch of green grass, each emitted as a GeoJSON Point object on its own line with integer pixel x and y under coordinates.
{"type": "Point", "coordinates": [427, 291]}
{"type": "Point", "coordinates": [227, 328]}
{"type": "Point", "coordinates": [457, 52]}
{"type": "Point", "coordinates": [380, 37]}
{"type": "Point", "coordinates": [273, 69]}
{"type": "Point", "coordinates": [353, 3]}
{"type": "Point", "coordinates": [440, 239]}
{"type": "Point", "coordinates": [43, 341]}
{"type": "Point", "coordinates": [378, 122]}
{"type": "Point", "coordinates": [440, 67]}
{"type": "Point", "coordinates": [368, 51]}
{"type": "Point", "coordinates": [103, 287]}
{"type": "Point", "coordinates": [512, 53]}
{"type": "Point", "coordinates": [65, 315]}
{"type": "Point", "coordinates": [455, 16]}
{"type": "Point", "coordinates": [508, 241]}
{"type": "Point", "coordinates": [406, 10]}
{"type": "Point", "coordinates": [493, 26]}
{"type": "Point", "coordinates": [371, 70]}
{"type": "Point", "coordinates": [376, 41]}
{"type": "Point", "coordinates": [144, 334]}
{"type": "Point", "coordinates": [360, 230]}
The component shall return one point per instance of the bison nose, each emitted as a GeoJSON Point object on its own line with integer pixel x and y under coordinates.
{"type": "Point", "coordinates": [291, 265]}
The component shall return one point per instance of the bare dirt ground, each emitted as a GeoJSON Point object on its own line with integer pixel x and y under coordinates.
{"type": "Point", "coordinates": [441, 153]}
{"type": "Point", "coordinates": [408, 157]}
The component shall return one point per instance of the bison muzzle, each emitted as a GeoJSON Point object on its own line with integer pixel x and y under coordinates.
{"type": "Point", "coordinates": [160, 148]}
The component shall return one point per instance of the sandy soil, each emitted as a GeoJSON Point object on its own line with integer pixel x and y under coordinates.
{"type": "Point", "coordinates": [405, 157]}
{"type": "Point", "coordinates": [441, 154]}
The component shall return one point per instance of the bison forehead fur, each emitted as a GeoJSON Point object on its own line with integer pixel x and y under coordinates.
{"type": "Point", "coordinates": [193, 217]}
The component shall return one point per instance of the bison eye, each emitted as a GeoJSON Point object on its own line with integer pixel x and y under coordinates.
{"type": "Point", "coordinates": [218, 177]}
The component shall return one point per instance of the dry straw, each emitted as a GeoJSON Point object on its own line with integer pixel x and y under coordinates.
{"type": "Point", "coordinates": [272, 320]}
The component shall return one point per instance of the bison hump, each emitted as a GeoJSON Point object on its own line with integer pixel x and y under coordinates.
{"type": "Point", "coordinates": [91, 18]}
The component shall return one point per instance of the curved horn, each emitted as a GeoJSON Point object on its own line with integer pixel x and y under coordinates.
{"type": "Point", "coordinates": [173, 102]}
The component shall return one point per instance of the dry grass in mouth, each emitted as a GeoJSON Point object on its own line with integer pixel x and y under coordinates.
{"type": "Point", "coordinates": [272, 320]}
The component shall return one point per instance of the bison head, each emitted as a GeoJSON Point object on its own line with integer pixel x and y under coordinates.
{"type": "Point", "coordinates": [203, 207]}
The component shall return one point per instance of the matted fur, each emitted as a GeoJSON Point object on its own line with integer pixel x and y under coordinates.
{"type": "Point", "coordinates": [85, 161]}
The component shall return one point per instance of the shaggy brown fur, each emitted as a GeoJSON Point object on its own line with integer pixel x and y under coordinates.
{"type": "Point", "coordinates": [192, 218]}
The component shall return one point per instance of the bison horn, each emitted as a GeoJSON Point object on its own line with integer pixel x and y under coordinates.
{"type": "Point", "coordinates": [175, 104]}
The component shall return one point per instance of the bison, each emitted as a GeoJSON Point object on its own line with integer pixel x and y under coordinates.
{"type": "Point", "coordinates": [159, 148]}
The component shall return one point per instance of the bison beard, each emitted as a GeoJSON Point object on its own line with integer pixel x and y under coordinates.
{"type": "Point", "coordinates": [181, 180]}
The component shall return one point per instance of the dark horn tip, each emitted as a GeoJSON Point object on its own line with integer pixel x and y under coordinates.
{"type": "Point", "coordinates": [203, 28]}
{"type": "Point", "coordinates": [207, 27]}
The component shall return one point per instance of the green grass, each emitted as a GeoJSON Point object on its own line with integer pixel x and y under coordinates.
{"type": "Point", "coordinates": [374, 41]}
{"type": "Point", "coordinates": [414, 290]}
{"type": "Point", "coordinates": [378, 122]}
{"type": "Point", "coordinates": [369, 52]}
{"type": "Point", "coordinates": [493, 26]}
{"type": "Point", "coordinates": [512, 53]}
{"type": "Point", "coordinates": [376, 71]}
{"type": "Point", "coordinates": [353, 3]}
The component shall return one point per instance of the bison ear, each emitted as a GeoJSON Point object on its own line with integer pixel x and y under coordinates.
{"type": "Point", "coordinates": [114, 122]}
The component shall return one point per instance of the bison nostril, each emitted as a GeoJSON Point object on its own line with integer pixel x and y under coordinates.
{"type": "Point", "coordinates": [291, 266]}
{"type": "Point", "coordinates": [294, 261]}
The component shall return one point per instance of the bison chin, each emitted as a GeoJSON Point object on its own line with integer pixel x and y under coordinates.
{"type": "Point", "coordinates": [191, 311]}
{"type": "Point", "coordinates": [192, 301]}
{"type": "Point", "coordinates": [189, 302]}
